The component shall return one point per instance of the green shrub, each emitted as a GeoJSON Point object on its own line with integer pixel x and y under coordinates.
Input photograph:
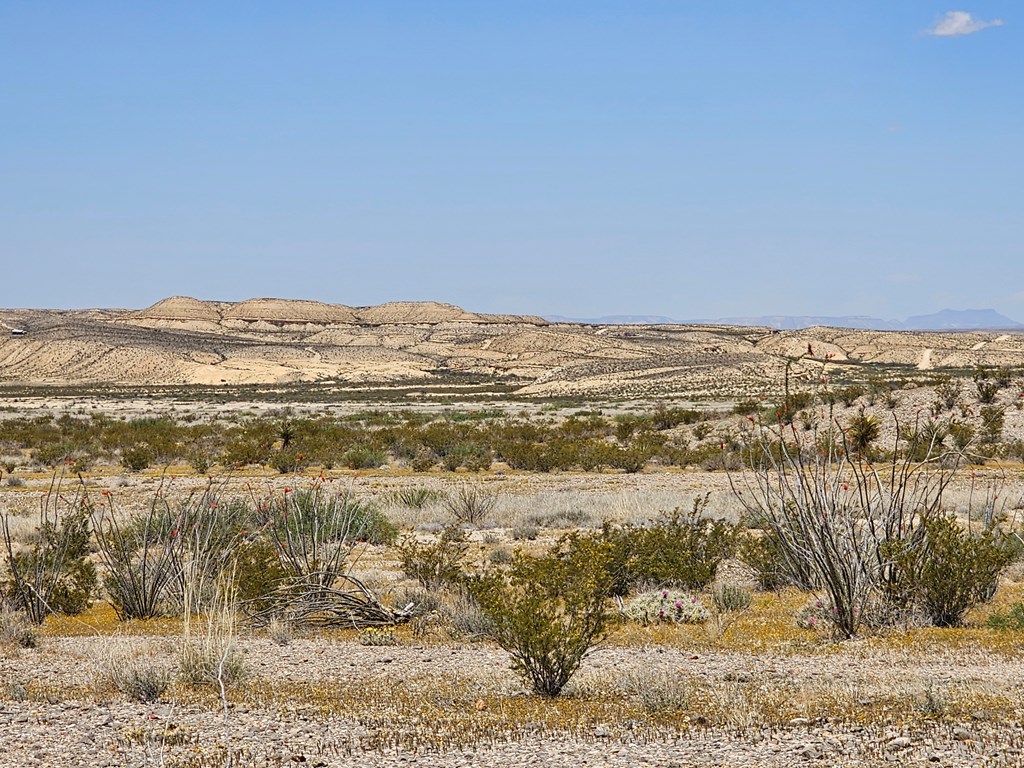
{"type": "Point", "coordinates": [961, 433]}
{"type": "Point", "coordinates": [848, 395]}
{"type": "Point", "coordinates": [53, 454]}
{"type": "Point", "coordinates": [954, 570]}
{"type": "Point", "coordinates": [137, 458]}
{"type": "Point", "coordinates": [363, 458]}
{"type": "Point", "coordinates": [992, 420]}
{"type": "Point", "coordinates": [548, 612]}
{"type": "Point", "coordinates": [434, 565]}
{"type": "Point", "coordinates": [1011, 619]}
{"type": "Point", "coordinates": [683, 549]}
{"type": "Point", "coordinates": [287, 461]}
{"type": "Point", "coordinates": [747, 408]}
{"type": "Point", "coordinates": [764, 554]}
{"type": "Point", "coordinates": [258, 573]}
{"type": "Point", "coordinates": [424, 460]}
{"type": "Point", "coordinates": [200, 461]}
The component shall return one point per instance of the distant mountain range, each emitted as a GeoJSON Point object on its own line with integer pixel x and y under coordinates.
{"type": "Point", "coordinates": [946, 320]}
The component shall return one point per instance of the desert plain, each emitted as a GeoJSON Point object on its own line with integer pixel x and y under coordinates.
{"type": "Point", "coordinates": [745, 687]}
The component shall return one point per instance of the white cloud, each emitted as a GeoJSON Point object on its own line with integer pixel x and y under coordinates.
{"type": "Point", "coordinates": [956, 23]}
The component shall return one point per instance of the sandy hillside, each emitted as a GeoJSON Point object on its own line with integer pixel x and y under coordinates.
{"type": "Point", "coordinates": [182, 340]}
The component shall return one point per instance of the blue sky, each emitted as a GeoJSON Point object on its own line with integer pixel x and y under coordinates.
{"type": "Point", "coordinates": [683, 158]}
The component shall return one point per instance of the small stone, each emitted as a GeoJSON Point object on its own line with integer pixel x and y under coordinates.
{"type": "Point", "coordinates": [811, 752]}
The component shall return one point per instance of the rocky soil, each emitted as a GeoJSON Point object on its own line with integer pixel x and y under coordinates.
{"type": "Point", "coordinates": [56, 711]}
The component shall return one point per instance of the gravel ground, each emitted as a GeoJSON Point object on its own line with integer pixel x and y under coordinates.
{"type": "Point", "coordinates": [50, 716]}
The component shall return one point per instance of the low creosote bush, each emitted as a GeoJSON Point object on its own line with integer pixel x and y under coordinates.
{"type": "Point", "coordinates": [137, 458]}
{"type": "Point", "coordinates": [548, 612]}
{"type": "Point", "coordinates": [666, 606]}
{"type": "Point", "coordinates": [681, 549]}
{"type": "Point", "coordinates": [953, 571]}
{"type": "Point", "coordinates": [434, 565]}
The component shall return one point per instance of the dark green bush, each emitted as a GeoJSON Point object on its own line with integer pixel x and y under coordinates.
{"type": "Point", "coordinates": [682, 549]}
{"type": "Point", "coordinates": [287, 461]}
{"type": "Point", "coordinates": [953, 571]}
{"type": "Point", "coordinates": [848, 395]}
{"type": "Point", "coordinates": [137, 458]}
{"type": "Point", "coordinates": [363, 458]}
{"type": "Point", "coordinates": [763, 553]}
{"type": "Point", "coordinates": [53, 454]}
{"type": "Point", "coordinates": [747, 408]}
{"type": "Point", "coordinates": [549, 612]}
{"type": "Point", "coordinates": [434, 565]}
{"type": "Point", "coordinates": [992, 420]}
{"type": "Point", "coordinates": [258, 574]}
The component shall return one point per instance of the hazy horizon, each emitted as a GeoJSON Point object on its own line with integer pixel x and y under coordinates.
{"type": "Point", "coordinates": [688, 160]}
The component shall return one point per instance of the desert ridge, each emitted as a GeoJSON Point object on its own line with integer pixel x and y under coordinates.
{"type": "Point", "coordinates": [184, 341]}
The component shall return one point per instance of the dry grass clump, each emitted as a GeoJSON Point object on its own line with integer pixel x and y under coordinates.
{"type": "Point", "coordinates": [209, 653]}
{"type": "Point", "coordinates": [280, 631]}
{"type": "Point", "coordinates": [140, 677]}
{"type": "Point", "coordinates": [16, 629]}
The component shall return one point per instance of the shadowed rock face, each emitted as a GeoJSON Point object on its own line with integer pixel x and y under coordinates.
{"type": "Point", "coordinates": [182, 340]}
